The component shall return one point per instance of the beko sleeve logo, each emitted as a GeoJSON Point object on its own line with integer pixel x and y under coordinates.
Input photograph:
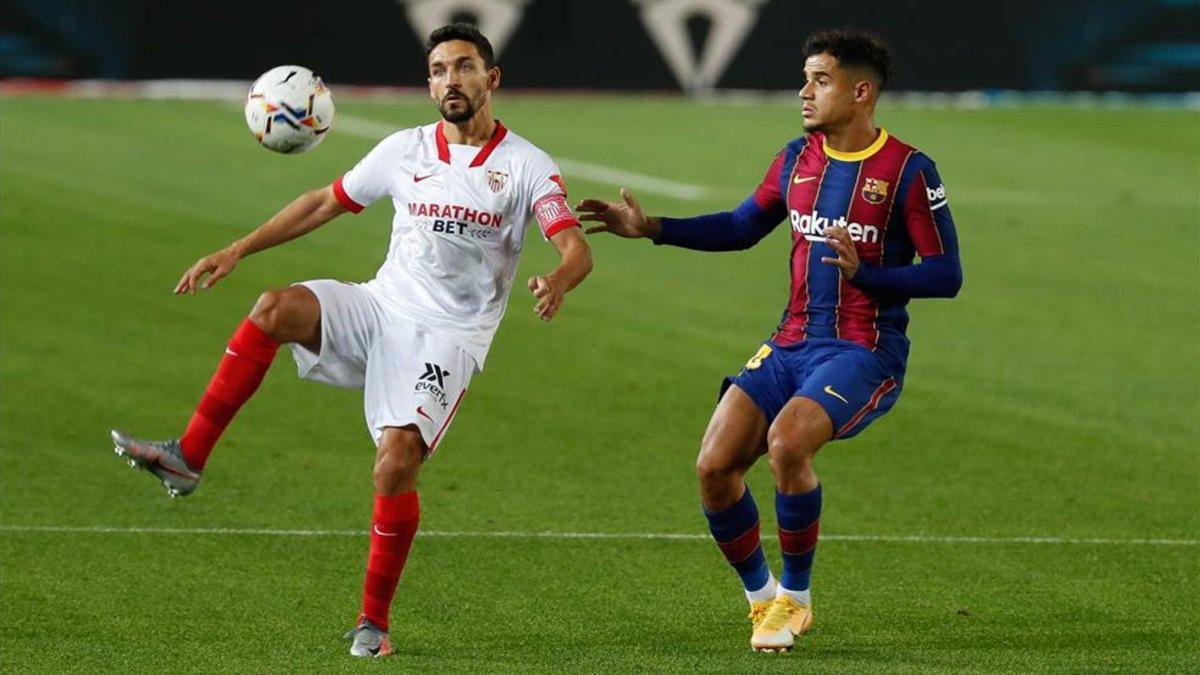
{"type": "Point", "coordinates": [937, 197]}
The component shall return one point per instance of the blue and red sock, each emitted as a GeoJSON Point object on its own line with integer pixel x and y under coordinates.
{"type": "Point", "coordinates": [736, 531]}
{"type": "Point", "coordinates": [799, 521]}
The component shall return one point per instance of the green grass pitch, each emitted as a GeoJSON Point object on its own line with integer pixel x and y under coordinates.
{"type": "Point", "coordinates": [1056, 397]}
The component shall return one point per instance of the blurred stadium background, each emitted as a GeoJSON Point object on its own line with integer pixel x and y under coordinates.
{"type": "Point", "coordinates": [1032, 504]}
{"type": "Point", "coordinates": [941, 45]}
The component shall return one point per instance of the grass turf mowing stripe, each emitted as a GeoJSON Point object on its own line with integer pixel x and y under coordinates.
{"type": "Point", "coordinates": [885, 538]}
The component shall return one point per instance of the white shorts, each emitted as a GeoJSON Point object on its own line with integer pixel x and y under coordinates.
{"type": "Point", "coordinates": [409, 375]}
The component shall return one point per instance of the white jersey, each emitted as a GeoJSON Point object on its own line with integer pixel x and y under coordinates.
{"type": "Point", "coordinates": [461, 214]}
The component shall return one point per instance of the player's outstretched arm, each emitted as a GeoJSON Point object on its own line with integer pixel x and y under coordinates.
{"type": "Point", "coordinates": [576, 263]}
{"type": "Point", "coordinates": [733, 230]}
{"type": "Point", "coordinates": [624, 218]}
{"type": "Point", "coordinates": [305, 214]}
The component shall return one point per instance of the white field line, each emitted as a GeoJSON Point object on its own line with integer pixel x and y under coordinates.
{"type": "Point", "coordinates": [659, 536]}
{"type": "Point", "coordinates": [640, 182]}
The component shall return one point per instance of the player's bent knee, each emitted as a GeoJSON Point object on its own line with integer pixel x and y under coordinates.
{"type": "Point", "coordinates": [393, 470]}
{"type": "Point", "coordinates": [268, 313]}
{"type": "Point", "coordinates": [708, 469]}
{"type": "Point", "coordinates": [289, 315]}
{"type": "Point", "coordinates": [720, 469]}
{"type": "Point", "coordinates": [789, 461]}
{"type": "Point", "coordinates": [794, 439]}
{"type": "Point", "coordinates": [398, 461]}
{"type": "Point", "coordinates": [714, 465]}
{"type": "Point", "coordinates": [720, 484]}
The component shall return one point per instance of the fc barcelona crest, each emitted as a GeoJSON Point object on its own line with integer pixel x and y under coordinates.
{"type": "Point", "coordinates": [875, 191]}
{"type": "Point", "coordinates": [497, 180]}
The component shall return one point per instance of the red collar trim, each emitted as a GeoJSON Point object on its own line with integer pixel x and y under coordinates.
{"type": "Point", "coordinates": [443, 146]}
{"type": "Point", "coordinates": [497, 135]}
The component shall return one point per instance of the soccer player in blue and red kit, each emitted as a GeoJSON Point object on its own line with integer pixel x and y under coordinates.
{"type": "Point", "coordinates": [861, 204]}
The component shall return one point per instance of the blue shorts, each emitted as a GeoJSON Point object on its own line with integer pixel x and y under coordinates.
{"type": "Point", "coordinates": [849, 381]}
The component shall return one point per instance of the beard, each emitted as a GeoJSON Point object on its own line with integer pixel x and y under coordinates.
{"type": "Point", "coordinates": [813, 126]}
{"type": "Point", "coordinates": [456, 116]}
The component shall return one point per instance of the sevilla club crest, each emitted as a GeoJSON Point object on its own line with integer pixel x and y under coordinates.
{"type": "Point", "coordinates": [497, 180]}
{"type": "Point", "coordinates": [875, 191]}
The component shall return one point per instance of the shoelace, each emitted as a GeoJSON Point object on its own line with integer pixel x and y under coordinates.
{"type": "Point", "coordinates": [779, 613]}
{"type": "Point", "coordinates": [758, 610]}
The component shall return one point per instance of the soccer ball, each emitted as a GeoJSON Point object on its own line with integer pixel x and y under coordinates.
{"type": "Point", "coordinates": [289, 109]}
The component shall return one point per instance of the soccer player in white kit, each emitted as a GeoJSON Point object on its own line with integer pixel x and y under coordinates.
{"type": "Point", "coordinates": [464, 189]}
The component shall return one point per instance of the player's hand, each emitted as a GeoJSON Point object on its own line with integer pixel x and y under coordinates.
{"type": "Point", "coordinates": [847, 261]}
{"type": "Point", "coordinates": [215, 267]}
{"type": "Point", "coordinates": [624, 218]}
{"type": "Point", "coordinates": [549, 297]}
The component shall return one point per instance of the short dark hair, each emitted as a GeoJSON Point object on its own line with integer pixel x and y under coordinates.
{"type": "Point", "coordinates": [467, 33]}
{"type": "Point", "coordinates": [852, 48]}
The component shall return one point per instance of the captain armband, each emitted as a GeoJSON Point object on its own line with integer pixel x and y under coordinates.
{"type": "Point", "coordinates": [553, 215]}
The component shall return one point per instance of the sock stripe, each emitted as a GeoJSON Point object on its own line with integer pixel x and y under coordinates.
{"type": "Point", "coordinates": [801, 542]}
{"type": "Point", "coordinates": [736, 531]}
{"type": "Point", "coordinates": [742, 547]}
{"type": "Point", "coordinates": [799, 518]}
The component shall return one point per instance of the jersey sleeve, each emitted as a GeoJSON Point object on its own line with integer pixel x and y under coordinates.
{"type": "Point", "coordinates": [927, 212]}
{"type": "Point", "coordinates": [370, 179]}
{"type": "Point", "coordinates": [733, 230]}
{"type": "Point", "coordinates": [548, 198]}
{"type": "Point", "coordinates": [768, 195]}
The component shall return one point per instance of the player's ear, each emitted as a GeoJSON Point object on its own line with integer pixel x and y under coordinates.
{"type": "Point", "coordinates": [863, 91]}
{"type": "Point", "coordinates": [494, 78]}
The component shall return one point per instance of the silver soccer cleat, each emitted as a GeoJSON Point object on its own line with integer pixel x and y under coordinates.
{"type": "Point", "coordinates": [164, 459]}
{"type": "Point", "coordinates": [369, 640]}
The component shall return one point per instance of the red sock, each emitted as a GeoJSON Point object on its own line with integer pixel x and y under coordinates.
{"type": "Point", "coordinates": [240, 372]}
{"type": "Point", "coordinates": [393, 526]}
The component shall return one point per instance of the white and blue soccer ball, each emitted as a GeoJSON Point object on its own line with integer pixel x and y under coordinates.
{"type": "Point", "coordinates": [289, 109]}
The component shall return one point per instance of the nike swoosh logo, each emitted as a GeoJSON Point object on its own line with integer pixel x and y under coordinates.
{"type": "Point", "coordinates": [418, 179]}
{"type": "Point", "coordinates": [829, 390]}
{"type": "Point", "coordinates": [798, 180]}
{"type": "Point", "coordinates": [385, 534]}
{"type": "Point", "coordinates": [230, 352]}
{"type": "Point", "coordinates": [168, 469]}
{"type": "Point", "coordinates": [422, 413]}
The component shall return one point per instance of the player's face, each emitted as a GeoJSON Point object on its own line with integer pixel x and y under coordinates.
{"type": "Point", "coordinates": [831, 94]}
{"type": "Point", "coordinates": [459, 82]}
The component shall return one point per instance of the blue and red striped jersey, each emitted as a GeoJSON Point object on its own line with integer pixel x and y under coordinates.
{"type": "Point", "coordinates": [892, 202]}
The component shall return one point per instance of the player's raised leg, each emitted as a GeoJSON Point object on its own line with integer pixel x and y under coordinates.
{"type": "Point", "coordinates": [734, 440]}
{"type": "Point", "coordinates": [797, 432]}
{"type": "Point", "coordinates": [282, 316]}
{"type": "Point", "coordinates": [289, 315]}
{"type": "Point", "coordinates": [393, 527]}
